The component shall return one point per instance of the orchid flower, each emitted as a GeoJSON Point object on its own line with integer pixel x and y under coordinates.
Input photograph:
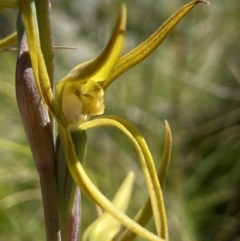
{"type": "Point", "coordinates": [79, 97]}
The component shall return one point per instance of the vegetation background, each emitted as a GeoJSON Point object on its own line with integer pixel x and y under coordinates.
{"type": "Point", "coordinates": [192, 80]}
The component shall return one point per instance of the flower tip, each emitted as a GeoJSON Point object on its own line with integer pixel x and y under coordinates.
{"type": "Point", "coordinates": [123, 8]}
{"type": "Point", "coordinates": [123, 17]}
{"type": "Point", "coordinates": [166, 123]}
{"type": "Point", "coordinates": [130, 178]}
{"type": "Point", "coordinates": [203, 1]}
{"type": "Point", "coordinates": [168, 129]}
{"type": "Point", "coordinates": [131, 175]}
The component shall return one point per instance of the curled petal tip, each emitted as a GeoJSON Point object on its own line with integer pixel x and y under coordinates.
{"type": "Point", "coordinates": [131, 175]}
{"type": "Point", "coordinates": [203, 1]}
{"type": "Point", "coordinates": [123, 14]}
{"type": "Point", "coordinates": [166, 123]}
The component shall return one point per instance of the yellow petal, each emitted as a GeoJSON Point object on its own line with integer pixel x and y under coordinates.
{"type": "Point", "coordinates": [81, 78]}
{"type": "Point", "coordinates": [106, 227]}
{"type": "Point", "coordinates": [145, 213]}
{"type": "Point", "coordinates": [146, 48]}
{"type": "Point", "coordinates": [100, 68]}
{"type": "Point", "coordinates": [147, 164]}
{"type": "Point", "coordinates": [8, 41]}
{"type": "Point", "coordinates": [166, 154]}
{"type": "Point", "coordinates": [89, 189]}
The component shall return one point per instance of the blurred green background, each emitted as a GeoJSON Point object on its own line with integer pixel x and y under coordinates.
{"type": "Point", "coordinates": [192, 81]}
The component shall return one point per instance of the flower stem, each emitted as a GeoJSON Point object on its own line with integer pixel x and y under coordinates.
{"type": "Point", "coordinates": [39, 134]}
{"type": "Point", "coordinates": [45, 34]}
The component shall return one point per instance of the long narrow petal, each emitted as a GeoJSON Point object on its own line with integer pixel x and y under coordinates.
{"type": "Point", "coordinates": [89, 189]}
{"type": "Point", "coordinates": [147, 164]}
{"type": "Point", "coordinates": [166, 154]}
{"type": "Point", "coordinates": [100, 68]}
{"type": "Point", "coordinates": [145, 213]}
{"type": "Point", "coordinates": [8, 41]}
{"type": "Point", "coordinates": [153, 185]}
{"type": "Point", "coordinates": [146, 48]}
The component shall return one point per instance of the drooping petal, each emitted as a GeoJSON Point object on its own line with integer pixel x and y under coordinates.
{"type": "Point", "coordinates": [149, 171]}
{"type": "Point", "coordinates": [90, 190]}
{"type": "Point", "coordinates": [147, 165]}
{"type": "Point", "coordinates": [145, 213]}
{"type": "Point", "coordinates": [146, 48]}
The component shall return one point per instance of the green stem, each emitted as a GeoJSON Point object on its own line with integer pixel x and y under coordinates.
{"type": "Point", "coordinates": [45, 35]}
{"type": "Point", "coordinates": [68, 193]}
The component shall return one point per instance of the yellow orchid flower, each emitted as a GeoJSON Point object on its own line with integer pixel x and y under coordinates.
{"type": "Point", "coordinates": [80, 95]}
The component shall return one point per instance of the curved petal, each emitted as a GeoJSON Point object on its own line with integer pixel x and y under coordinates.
{"type": "Point", "coordinates": [146, 48]}
{"type": "Point", "coordinates": [166, 154]}
{"type": "Point", "coordinates": [154, 190]}
{"type": "Point", "coordinates": [90, 190]}
{"type": "Point", "coordinates": [145, 213]}
{"type": "Point", "coordinates": [147, 163]}
{"type": "Point", "coordinates": [8, 41]}
{"type": "Point", "coordinates": [100, 68]}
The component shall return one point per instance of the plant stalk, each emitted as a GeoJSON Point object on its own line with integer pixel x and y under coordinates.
{"type": "Point", "coordinates": [39, 134]}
